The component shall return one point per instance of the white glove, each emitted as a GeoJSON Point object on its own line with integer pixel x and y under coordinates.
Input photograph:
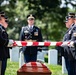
{"type": "Point", "coordinates": [10, 43]}
{"type": "Point", "coordinates": [71, 44]}
{"type": "Point", "coordinates": [65, 43]}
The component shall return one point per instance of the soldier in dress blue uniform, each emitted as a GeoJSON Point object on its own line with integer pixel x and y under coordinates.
{"type": "Point", "coordinates": [30, 33]}
{"type": "Point", "coordinates": [4, 41]}
{"type": "Point", "coordinates": [69, 51]}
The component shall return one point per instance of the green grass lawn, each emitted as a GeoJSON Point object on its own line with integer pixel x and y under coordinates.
{"type": "Point", "coordinates": [56, 69]}
{"type": "Point", "coordinates": [12, 68]}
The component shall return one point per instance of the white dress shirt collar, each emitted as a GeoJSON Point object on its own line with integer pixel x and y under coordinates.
{"type": "Point", "coordinates": [30, 26]}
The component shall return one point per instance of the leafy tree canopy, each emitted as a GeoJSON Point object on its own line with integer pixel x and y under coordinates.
{"type": "Point", "coordinates": [49, 14]}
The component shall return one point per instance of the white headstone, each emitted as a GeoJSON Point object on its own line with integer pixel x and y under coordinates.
{"type": "Point", "coordinates": [63, 66]}
{"type": "Point", "coordinates": [14, 54]}
{"type": "Point", "coordinates": [21, 59]}
{"type": "Point", "coordinates": [52, 56]}
{"type": "Point", "coordinates": [40, 56]}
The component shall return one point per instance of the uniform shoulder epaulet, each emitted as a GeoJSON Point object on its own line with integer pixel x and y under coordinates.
{"type": "Point", "coordinates": [24, 28]}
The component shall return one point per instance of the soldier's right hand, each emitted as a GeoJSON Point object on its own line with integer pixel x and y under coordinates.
{"type": "Point", "coordinates": [65, 43]}
{"type": "Point", "coordinates": [71, 44]}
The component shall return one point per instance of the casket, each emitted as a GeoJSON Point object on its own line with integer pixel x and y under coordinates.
{"type": "Point", "coordinates": [34, 68]}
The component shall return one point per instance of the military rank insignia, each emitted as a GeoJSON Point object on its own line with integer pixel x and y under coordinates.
{"type": "Point", "coordinates": [35, 33]}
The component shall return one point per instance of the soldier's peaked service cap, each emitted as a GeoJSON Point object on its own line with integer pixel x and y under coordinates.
{"type": "Point", "coordinates": [30, 16]}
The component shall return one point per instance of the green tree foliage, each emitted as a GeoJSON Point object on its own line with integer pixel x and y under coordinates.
{"type": "Point", "coordinates": [49, 16]}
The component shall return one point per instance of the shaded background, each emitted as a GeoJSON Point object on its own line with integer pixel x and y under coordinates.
{"type": "Point", "coordinates": [50, 16]}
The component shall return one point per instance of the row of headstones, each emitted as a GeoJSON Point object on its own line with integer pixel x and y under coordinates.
{"type": "Point", "coordinates": [17, 56]}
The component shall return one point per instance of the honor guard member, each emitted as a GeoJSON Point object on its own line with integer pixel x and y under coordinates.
{"type": "Point", "coordinates": [4, 42]}
{"type": "Point", "coordinates": [30, 33]}
{"type": "Point", "coordinates": [70, 51]}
